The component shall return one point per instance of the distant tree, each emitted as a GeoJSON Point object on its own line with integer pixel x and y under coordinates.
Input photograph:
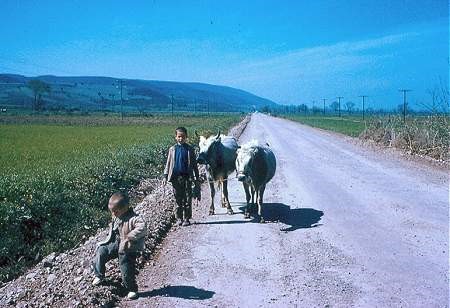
{"type": "Point", "coordinates": [439, 99]}
{"type": "Point", "coordinates": [334, 106]}
{"type": "Point", "coordinates": [265, 109]}
{"type": "Point", "coordinates": [316, 110]}
{"type": "Point", "coordinates": [350, 106]}
{"type": "Point", "coordinates": [303, 108]}
{"type": "Point", "coordinates": [141, 107]}
{"type": "Point", "coordinates": [102, 102]}
{"type": "Point", "coordinates": [400, 108]}
{"type": "Point", "coordinates": [38, 87]}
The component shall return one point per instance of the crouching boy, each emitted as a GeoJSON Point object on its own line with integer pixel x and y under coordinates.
{"type": "Point", "coordinates": [125, 240]}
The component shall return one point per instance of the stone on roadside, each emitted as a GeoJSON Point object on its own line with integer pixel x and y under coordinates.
{"type": "Point", "coordinates": [51, 278]}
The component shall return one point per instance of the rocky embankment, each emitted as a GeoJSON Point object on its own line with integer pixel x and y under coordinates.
{"type": "Point", "coordinates": [64, 280]}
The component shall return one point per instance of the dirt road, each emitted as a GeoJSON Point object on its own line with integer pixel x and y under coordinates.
{"type": "Point", "coordinates": [347, 226]}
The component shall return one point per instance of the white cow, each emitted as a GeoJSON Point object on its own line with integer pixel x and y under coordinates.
{"type": "Point", "coordinates": [255, 167]}
{"type": "Point", "coordinates": [218, 153]}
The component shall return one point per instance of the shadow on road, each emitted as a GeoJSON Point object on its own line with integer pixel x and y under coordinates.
{"type": "Point", "coordinates": [224, 222]}
{"type": "Point", "coordinates": [300, 218]}
{"type": "Point", "coordinates": [186, 292]}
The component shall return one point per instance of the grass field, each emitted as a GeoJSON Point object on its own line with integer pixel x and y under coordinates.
{"type": "Point", "coordinates": [351, 126]}
{"type": "Point", "coordinates": [39, 142]}
{"type": "Point", "coordinates": [58, 172]}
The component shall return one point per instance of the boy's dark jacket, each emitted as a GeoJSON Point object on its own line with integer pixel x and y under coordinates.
{"type": "Point", "coordinates": [192, 163]}
{"type": "Point", "coordinates": [132, 231]}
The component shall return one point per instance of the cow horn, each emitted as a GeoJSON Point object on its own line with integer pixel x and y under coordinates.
{"type": "Point", "coordinates": [218, 133]}
{"type": "Point", "coordinates": [196, 133]}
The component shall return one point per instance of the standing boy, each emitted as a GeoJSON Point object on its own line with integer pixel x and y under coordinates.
{"type": "Point", "coordinates": [181, 169]}
{"type": "Point", "coordinates": [125, 240]}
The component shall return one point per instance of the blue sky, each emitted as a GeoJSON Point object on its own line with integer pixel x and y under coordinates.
{"type": "Point", "coordinates": [289, 51]}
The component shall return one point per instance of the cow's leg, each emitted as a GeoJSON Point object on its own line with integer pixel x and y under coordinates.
{"type": "Point", "coordinates": [252, 204]}
{"type": "Point", "coordinates": [213, 193]}
{"type": "Point", "coordinates": [225, 199]}
{"type": "Point", "coordinates": [260, 195]}
{"type": "Point", "coordinates": [222, 194]}
{"type": "Point", "coordinates": [247, 198]}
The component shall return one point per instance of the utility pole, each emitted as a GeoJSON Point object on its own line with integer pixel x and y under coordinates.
{"type": "Point", "coordinates": [339, 104]}
{"type": "Point", "coordinates": [404, 103]}
{"type": "Point", "coordinates": [121, 98]}
{"type": "Point", "coordinates": [324, 99]}
{"type": "Point", "coordinates": [363, 101]}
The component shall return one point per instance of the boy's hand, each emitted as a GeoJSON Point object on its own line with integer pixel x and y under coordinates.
{"type": "Point", "coordinates": [126, 245]}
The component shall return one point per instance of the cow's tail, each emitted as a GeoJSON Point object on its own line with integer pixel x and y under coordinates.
{"type": "Point", "coordinates": [219, 184]}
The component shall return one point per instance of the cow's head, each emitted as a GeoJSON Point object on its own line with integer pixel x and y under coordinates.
{"type": "Point", "coordinates": [244, 162]}
{"type": "Point", "coordinates": [208, 149]}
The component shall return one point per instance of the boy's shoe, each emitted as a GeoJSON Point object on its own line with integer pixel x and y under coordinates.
{"type": "Point", "coordinates": [97, 281]}
{"type": "Point", "coordinates": [132, 295]}
{"type": "Point", "coordinates": [179, 222]}
{"type": "Point", "coordinates": [186, 223]}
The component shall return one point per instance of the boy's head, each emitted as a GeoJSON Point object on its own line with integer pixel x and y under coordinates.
{"type": "Point", "coordinates": [181, 135]}
{"type": "Point", "coordinates": [118, 204]}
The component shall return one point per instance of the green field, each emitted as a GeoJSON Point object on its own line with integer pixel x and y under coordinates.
{"type": "Point", "coordinates": [58, 172]}
{"type": "Point", "coordinates": [351, 126]}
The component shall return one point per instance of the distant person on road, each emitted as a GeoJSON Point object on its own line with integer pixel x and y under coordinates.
{"type": "Point", "coordinates": [181, 170]}
{"type": "Point", "coordinates": [125, 240]}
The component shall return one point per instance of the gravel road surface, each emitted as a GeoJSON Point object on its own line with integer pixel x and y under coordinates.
{"type": "Point", "coordinates": [347, 226]}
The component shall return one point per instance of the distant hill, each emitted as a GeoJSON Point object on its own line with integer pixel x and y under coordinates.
{"type": "Point", "coordinates": [103, 93]}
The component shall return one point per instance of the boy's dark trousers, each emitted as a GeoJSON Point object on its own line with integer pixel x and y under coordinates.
{"type": "Point", "coordinates": [182, 189]}
{"type": "Point", "coordinates": [127, 263]}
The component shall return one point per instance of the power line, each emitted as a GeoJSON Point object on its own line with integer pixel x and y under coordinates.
{"type": "Point", "coordinates": [339, 102]}
{"type": "Point", "coordinates": [404, 102]}
{"type": "Point", "coordinates": [121, 97]}
{"type": "Point", "coordinates": [363, 100]}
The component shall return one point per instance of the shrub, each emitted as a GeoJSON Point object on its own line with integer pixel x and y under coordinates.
{"type": "Point", "coordinates": [427, 135]}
